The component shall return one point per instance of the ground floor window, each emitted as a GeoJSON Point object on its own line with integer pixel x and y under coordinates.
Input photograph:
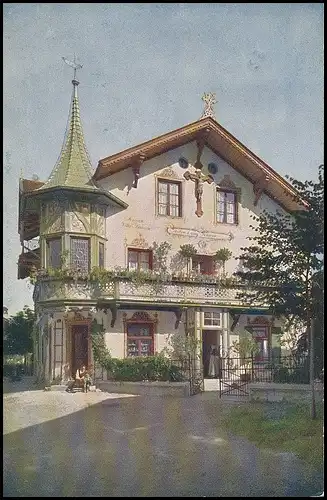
{"type": "Point", "coordinates": [260, 335]}
{"type": "Point", "coordinates": [139, 339]}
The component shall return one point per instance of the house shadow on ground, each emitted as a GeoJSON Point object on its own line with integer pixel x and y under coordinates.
{"type": "Point", "coordinates": [26, 383]}
{"type": "Point", "coordinates": [144, 447]}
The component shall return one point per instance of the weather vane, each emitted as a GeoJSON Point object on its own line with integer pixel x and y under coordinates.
{"type": "Point", "coordinates": [74, 65]}
{"type": "Point", "coordinates": [209, 100]}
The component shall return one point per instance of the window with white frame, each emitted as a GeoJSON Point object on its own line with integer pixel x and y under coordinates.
{"type": "Point", "coordinates": [212, 319]}
{"type": "Point", "coordinates": [226, 206]}
{"type": "Point", "coordinates": [139, 259]}
{"type": "Point", "coordinates": [169, 198]}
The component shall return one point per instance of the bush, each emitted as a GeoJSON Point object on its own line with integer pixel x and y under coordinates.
{"type": "Point", "coordinates": [150, 368]}
{"type": "Point", "coordinates": [296, 375]}
{"type": "Point", "coordinates": [10, 370]}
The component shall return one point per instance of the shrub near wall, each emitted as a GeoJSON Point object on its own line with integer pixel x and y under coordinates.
{"type": "Point", "coordinates": [151, 368]}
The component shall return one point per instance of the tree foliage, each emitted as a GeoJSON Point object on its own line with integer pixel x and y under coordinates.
{"type": "Point", "coordinates": [246, 347]}
{"type": "Point", "coordinates": [19, 332]}
{"type": "Point", "coordinates": [285, 254]}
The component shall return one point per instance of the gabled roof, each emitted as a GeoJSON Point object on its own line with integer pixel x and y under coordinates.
{"type": "Point", "coordinates": [222, 143]}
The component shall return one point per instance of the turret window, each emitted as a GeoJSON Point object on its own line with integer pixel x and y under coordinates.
{"type": "Point", "coordinates": [101, 255]}
{"type": "Point", "coordinates": [80, 253]}
{"type": "Point", "coordinates": [54, 253]}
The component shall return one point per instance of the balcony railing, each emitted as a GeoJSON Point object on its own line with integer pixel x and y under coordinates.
{"type": "Point", "coordinates": [124, 290]}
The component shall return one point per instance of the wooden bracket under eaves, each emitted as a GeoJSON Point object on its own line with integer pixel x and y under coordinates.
{"type": "Point", "coordinates": [258, 188]}
{"type": "Point", "coordinates": [136, 165]}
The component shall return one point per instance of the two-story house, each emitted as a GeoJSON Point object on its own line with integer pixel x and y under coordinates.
{"type": "Point", "coordinates": [197, 185]}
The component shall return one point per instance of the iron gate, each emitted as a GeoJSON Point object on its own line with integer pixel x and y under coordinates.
{"type": "Point", "coordinates": [191, 370]}
{"type": "Point", "coordinates": [233, 382]}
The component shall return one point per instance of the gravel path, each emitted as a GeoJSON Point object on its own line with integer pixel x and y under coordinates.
{"type": "Point", "coordinates": [99, 444]}
{"type": "Point", "coordinates": [27, 408]}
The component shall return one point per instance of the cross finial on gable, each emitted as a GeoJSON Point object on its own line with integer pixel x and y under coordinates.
{"type": "Point", "coordinates": [209, 100]}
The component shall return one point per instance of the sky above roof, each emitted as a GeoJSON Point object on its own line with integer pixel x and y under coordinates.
{"type": "Point", "coordinates": [145, 68]}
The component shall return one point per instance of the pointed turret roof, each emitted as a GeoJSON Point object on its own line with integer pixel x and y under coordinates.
{"type": "Point", "coordinates": [73, 168]}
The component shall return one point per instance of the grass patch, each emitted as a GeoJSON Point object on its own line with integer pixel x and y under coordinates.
{"type": "Point", "coordinates": [281, 427]}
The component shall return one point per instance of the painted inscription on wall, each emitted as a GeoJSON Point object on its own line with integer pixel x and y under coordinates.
{"type": "Point", "coordinates": [198, 233]}
{"type": "Point", "coordinates": [135, 223]}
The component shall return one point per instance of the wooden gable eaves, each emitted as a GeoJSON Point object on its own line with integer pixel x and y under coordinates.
{"type": "Point", "coordinates": [28, 216]}
{"type": "Point", "coordinates": [223, 144]}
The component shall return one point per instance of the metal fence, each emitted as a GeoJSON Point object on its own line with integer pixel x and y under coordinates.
{"type": "Point", "coordinates": [237, 373]}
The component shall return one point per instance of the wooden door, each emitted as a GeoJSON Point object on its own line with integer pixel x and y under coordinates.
{"type": "Point", "coordinates": [80, 335]}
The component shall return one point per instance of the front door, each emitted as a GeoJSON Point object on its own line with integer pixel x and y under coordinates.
{"type": "Point", "coordinates": [209, 337]}
{"type": "Point", "coordinates": [80, 344]}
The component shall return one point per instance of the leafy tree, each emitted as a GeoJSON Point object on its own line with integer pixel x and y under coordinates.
{"type": "Point", "coordinates": [245, 348]}
{"type": "Point", "coordinates": [281, 264]}
{"type": "Point", "coordinates": [182, 347]}
{"type": "Point", "coordinates": [19, 333]}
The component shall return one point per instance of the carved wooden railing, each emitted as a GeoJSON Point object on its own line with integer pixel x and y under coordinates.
{"type": "Point", "coordinates": [125, 290]}
{"type": "Point", "coordinates": [177, 292]}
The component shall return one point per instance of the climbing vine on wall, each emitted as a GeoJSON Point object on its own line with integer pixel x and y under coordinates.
{"type": "Point", "coordinates": [160, 256]}
{"type": "Point", "coordinates": [101, 353]}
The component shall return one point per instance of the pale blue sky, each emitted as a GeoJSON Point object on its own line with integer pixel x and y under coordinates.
{"type": "Point", "coordinates": [146, 67]}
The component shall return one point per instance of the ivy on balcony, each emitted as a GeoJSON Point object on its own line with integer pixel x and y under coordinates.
{"type": "Point", "coordinates": [138, 277]}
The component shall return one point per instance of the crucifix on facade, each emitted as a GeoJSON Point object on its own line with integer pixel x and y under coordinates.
{"type": "Point", "coordinates": [198, 178]}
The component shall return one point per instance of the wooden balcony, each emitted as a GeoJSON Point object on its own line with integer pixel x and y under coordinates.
{"type": "Point", "coordinates": [124, 290]}
{"type": "Point", "coordinates": [29, 259]}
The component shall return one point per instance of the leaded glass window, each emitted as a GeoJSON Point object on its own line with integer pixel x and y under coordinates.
{"type": "Point", "coordinates": [54, 253]}
{"type": "Point", "coordinates": [226, 207]}
{"type": "Point", "coordinates": [101, 254]}
{"type": "Point", "coordinates": [80, 253]}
